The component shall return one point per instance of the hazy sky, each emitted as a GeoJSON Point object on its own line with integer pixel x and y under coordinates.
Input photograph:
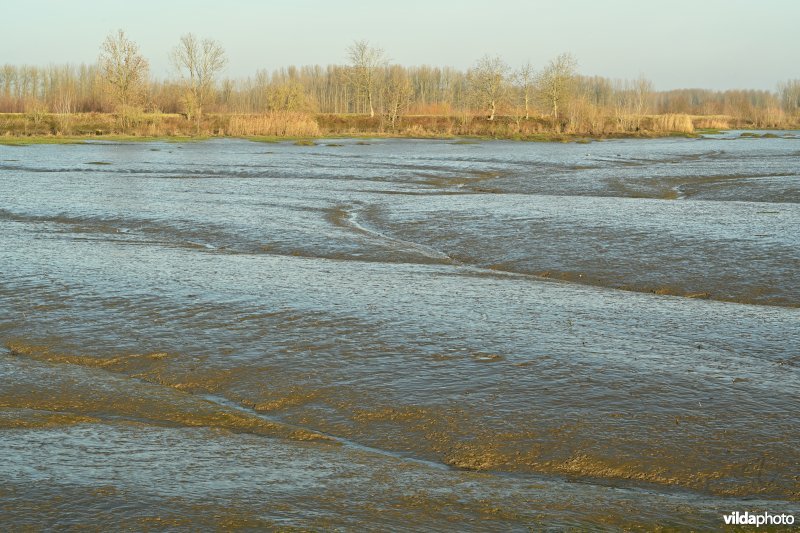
{"type": "Point", "coordinates": [714, 44]}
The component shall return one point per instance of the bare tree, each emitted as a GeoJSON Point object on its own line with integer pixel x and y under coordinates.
{"type": "Point", "coordinates": [789, 92]}
{"type": "Point", "coordinates": [523, 79]}
{"type": "Point", "coordinates": [556, 81]}
{"type": "Point", "coordinates": [487, 82]}
{"type": "Point", "coordinates": [365, 62]}
{"type": "Point", "coordinates": [397, 92]}
{"type": "Point", "coordinates": [123, 69]}
{"type": "Point", "coordinates": [199, 62]}
{"type": "Point", "coordinates": [64, 107]}
{"type": "Point", "coordinates": [623, 99]}
{"type": "Point", "coordinates": [288, 96]}
{"type": "Point", "coordinates": [643, 94]}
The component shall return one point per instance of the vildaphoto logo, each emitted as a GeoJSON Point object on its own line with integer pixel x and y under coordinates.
{"type": "Point", "coordinates": [761, 519]}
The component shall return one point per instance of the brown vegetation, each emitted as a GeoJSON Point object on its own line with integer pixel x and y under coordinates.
{"type": "Point", "coordinates": [366, 97]}
{"type": "Point", "coordinates": [290, 124]}
{"type": "Point", "coordinates": [276, 123]}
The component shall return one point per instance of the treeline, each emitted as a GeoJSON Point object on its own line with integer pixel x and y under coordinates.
{"type": "Point", "coordinates": [554, 94]}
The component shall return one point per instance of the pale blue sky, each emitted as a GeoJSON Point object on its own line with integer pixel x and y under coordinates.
{"type": "Point", "coordinates": [714, 44]}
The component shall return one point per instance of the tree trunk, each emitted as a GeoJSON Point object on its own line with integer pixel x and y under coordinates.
{"type": "Point", "coordinates": [493, 107]}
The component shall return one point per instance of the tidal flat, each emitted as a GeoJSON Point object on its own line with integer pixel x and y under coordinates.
{"type": "Point", "coordinates": [396, 334]}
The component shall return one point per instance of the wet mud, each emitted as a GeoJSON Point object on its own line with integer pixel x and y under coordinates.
{"type": "Point", "coordinates": [399, 335]}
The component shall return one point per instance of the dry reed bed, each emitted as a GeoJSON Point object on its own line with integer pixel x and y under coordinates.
{"type": "Point", "coordinates": [304, 125]}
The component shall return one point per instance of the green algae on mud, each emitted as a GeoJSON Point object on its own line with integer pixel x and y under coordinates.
{"type": "Point", "coordinates": [8, 140]}
{"type": "Point", "coordinates": [710, 131]}
{"type": "Point", "coordinates": [26, 140]}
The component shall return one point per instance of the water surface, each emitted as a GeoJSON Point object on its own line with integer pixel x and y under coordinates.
{"type": "Point", "coordinates": [399, 333]}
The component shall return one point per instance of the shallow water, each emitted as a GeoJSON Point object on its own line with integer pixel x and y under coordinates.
{"type": "Point", "coordinates": [399, 333]}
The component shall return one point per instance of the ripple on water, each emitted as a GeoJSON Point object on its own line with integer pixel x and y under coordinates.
{"type": "Point", "coordinates": [403, 334]}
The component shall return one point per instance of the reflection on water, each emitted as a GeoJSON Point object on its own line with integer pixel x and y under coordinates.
{"type": "Point", "coordinates": [402, 333]}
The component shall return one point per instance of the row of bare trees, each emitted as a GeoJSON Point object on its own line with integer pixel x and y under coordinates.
{"type": "Point", "coordinates": [492, 83]}
{"type": "Point", "coordinates": [126, 72]}
{"type": "Point", "coordinates": [120, 81]}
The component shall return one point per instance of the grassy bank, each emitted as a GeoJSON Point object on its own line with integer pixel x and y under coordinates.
{"type": "Point", "coordinates": [25, 128]}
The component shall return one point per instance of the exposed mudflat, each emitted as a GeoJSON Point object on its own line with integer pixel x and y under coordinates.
{"type": "Point", "coordinates": [400, 334]}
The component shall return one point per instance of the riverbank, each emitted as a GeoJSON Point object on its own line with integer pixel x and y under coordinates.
{"type": "Point", "coordinates": [303, 140]}
{"type": "Point", "coordinates": [31, 128]}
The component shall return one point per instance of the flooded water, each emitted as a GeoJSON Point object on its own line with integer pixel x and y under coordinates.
{"type": "Point", "coordinates": [398, 334]}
